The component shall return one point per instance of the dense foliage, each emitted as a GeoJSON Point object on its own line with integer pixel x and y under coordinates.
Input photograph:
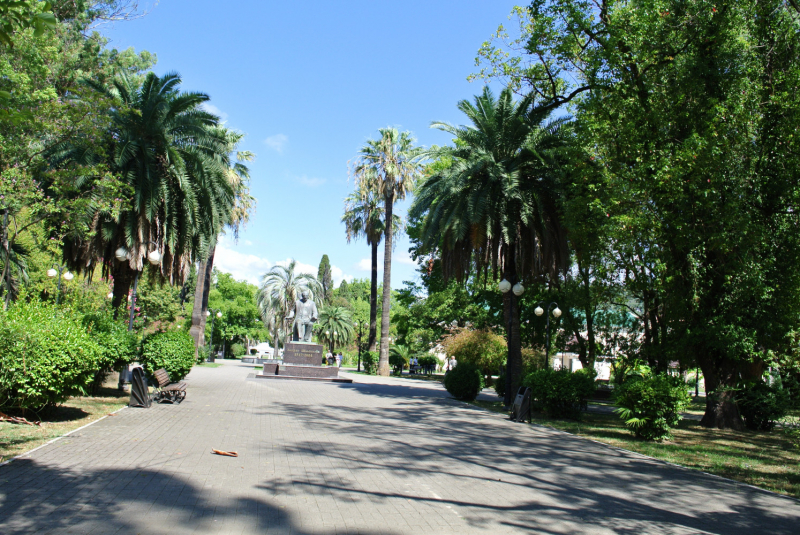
{"type": "Point", "coordinates": [171, 350]}
{"type": "Point", "coordinates": [464, 382]}
{"type": "Point", "coordinates": [483, 348]}
{"type": "Point", "coordinates": [560, 393]}
{"type": "Point", "coordinates": [369, 360]}
{"type": "Point", "coordinates": [762, 405]}
{"type": "Point", "coordinates": [652, 404]}
{"type": "Point", "coordinates": [46, 355]}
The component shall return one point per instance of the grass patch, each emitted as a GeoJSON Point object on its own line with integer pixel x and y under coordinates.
{"type": "Point", "coordinates": [16, 439]}
{"type": "Point", "coordinates": [211, 365]}
{"type": "Point", "coordinates": [769, 460]}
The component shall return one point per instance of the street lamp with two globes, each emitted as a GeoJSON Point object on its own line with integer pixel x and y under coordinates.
{"type": "Point", "coordinates": [57, 270]}
{"type": "Point", "coordinates": [557, 314]}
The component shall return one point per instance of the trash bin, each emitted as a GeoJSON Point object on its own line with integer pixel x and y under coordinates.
{"type": "Point", "coordinates": [140, 397]}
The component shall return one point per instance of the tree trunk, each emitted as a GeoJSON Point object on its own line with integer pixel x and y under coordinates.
{"type": "Point", "coordinates": [373, 300]}
{"type": "Point", "coordinates": [589, 312]}
{"type": "Point", "coordinates": [202, 288]}
{"type": "Point", "coordinates": [721, 377]}
{"type": "Point", "coordinates": [7, 261]}
{"type": "Point", "coordinates": [511, 305]}
{"type": "Point", "coordinates": [123, 278]}
{"type": "Point", "coordinates": [383, 362]}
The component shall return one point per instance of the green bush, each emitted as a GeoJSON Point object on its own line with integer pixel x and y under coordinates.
{"type": "Point", "coordinates": [428, 360]}
{"type": "Point", "coordinates": [762, 405]}
{"type": "Point", "coordinates": [369, 359]}
{"type": "Point", "coordinates": [171, 350]}
{"type": "Point", "coordinates": [397, 362]}
{"type": "Point", "coordinates": [464, 382]}
{"type": "Point", "coordinates": [46, 356]}
{"type": "Point", "coordinates": [238, 350]}
{"type": "Point", "coordinates": [119, 346]}
{"type": "Point", "coordinates": [482, 348]}
{"type": "Point", "coordinates": [652, 404]}
{"type": "Point", "coordinates": [500, 384]}
{"type": "Point", "coordinates": [560, 393]}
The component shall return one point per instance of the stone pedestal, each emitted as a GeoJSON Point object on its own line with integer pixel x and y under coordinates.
{"type": "Point", "coordinates": [302, 360]}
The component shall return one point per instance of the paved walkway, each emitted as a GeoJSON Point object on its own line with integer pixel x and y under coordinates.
{"type": "Point", "coordinates": [379, 457]}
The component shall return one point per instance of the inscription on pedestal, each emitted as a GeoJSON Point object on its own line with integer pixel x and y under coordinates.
{"type": "Point", "coordinates": [303, 354]}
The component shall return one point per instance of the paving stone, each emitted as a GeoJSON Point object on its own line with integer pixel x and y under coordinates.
{"type": "Point", "coordinates": [381, 455]}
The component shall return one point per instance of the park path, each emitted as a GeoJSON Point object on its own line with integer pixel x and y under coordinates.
{"type": "Point", "coordinates": [385, 456]}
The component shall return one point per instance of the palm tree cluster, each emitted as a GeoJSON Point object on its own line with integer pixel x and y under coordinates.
{"type": "Point", "coordinates": [493, 210]}
{"type": "Point", "coordinates": [384, 171]}
{"type": "Point", "coordinates": [185, 182]}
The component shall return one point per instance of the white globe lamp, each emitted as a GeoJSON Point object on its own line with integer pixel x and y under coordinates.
{"type": "Point", "coordinates": [52, 273]}
{"type": "Point", "coordinates": [121, 254]}
{"type": "Point", "coordinates": [504, 286]}
{"type": "Point", "coordinates": [518, 289]}
{"type": "Point", "coordinates": [538, 311]}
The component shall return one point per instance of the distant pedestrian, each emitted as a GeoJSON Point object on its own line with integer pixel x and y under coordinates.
{"type": "Point", "coordinates": [328, 357]}
{"type": "Point", "coordinates": [339, 359]}
{"type": "Point", "coordinates": [452, 363]}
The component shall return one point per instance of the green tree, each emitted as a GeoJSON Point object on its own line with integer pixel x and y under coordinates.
{"type": "Point", "coordinates": [689, 111]}
{"type": "Point", "coordinates": [325, 278]}
{"type": "Point", "coordinates": [174, 158]}
{"type": "Point", "coordinates": [388, 166]}
{"type": "Point", "coordinates": [335, 327]}
{"type": "Point", "coordinates": [363, 216]}
{"type": "Point", "coordinates": [496, 206]}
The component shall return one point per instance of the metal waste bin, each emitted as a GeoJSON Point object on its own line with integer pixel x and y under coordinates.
{"type": "Point", "coordinates": [140, 397]}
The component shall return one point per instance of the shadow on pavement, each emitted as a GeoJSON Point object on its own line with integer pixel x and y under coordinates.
{"type": "Point", "coordinates": [38, 499]}
{"type": "Point", "coordinates": [552, 480]}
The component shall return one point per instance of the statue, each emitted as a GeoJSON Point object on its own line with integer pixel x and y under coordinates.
{"type": "Point", "coordinates": [305, 315]}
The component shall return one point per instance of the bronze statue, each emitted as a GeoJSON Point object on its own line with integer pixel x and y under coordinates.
{"type": "Point", "coordinates": [305, 315]}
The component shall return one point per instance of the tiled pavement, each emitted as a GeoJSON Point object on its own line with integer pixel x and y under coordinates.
{"type": "Point", "coordinates": [384, 456]}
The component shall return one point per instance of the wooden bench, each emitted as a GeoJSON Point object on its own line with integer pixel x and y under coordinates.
{"type": "Point", "coordinates": [167, 391]}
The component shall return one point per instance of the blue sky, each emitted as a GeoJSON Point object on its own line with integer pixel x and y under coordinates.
{"type": "Point", "coordinates": [309, 83]}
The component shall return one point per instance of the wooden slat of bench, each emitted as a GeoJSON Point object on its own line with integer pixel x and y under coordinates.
{"type": "Point", "coordinates": [162, 377]}
{"type": "Point", "coordinates": [176, 386]}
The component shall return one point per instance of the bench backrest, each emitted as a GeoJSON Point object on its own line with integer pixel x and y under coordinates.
{"type": "Point", "coordinates": [162, 377]}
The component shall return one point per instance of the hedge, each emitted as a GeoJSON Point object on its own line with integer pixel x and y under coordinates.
{"type": "Point", "coordinates": [171, 350]}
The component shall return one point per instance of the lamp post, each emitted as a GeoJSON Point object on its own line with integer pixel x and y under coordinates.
{"type": "Point", "coordinates": [67, 276]}
{"type": "Point", "coordinates": [122, 254]}
{"type": "Point", "coordinates": [360, 327]}
{"type": "Point", "coordinates": [218, 314]}
{"type": "Point", "coordinates": [516, 290]}
{"type": "Point", "coordinates": [557, 314]}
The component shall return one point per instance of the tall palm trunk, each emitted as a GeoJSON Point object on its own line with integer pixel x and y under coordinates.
{"type": "Point", "coordinates": [373, 300]}
{"type": "Point", "coordinates": [514, 359]}
{"type": "Point", "coordinates": [202, 288]}
{"type": "Point", "coordinates": [123, 278]}
{"type": "Point", "coordinates": [7, 261]}
{"type": "Point", "coordinates": [383, 362]}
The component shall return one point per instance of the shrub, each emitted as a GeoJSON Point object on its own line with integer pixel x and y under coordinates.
{"type": "Point", "coordinates": [238, 350]}
{"type": "Point", "coordinates": [560, 393]}
{"type": "Point", "coordinates": [652, 404]}
{"type": "Point", "coordinates": [46, 355]}
{"type": "Point", "coordinates": [484, 349]}
{"type": "Point", "coordinates": [171, 350]}
{"type": "Point", "coordinates": [119, 346]}
{"type": "Point", "coordinates": [428, 360]}
{"type": "Point", "coordinates": [369, 359]}
{"type": "Point", "coordinates": [500, 384]}
{"type": "Point", "coordinates": [762, 405]}
{"type": "Point", "coordinates": [397, 361]}
{"type": "Point", "coordinates": [464, 382]}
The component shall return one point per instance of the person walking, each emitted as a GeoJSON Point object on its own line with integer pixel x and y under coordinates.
{"type": "Point", "coordinates": [339, 359]}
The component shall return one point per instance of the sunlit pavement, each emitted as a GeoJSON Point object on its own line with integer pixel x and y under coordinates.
{"type": "Point", "coordinates": [381, 455]}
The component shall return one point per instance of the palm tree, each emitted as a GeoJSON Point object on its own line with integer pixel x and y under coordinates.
{"type": "Point", "coordinates": [335, 326]}
{"type": "Point", "coordinates": [495, 206]}
{"type": "Point", "coordinates": [388, 166]}
{"type": "Point", "coordinates": [172, 156]}
{"type": "Point", "coordinates": [238, 177]}
{"type": "Point", "coordinates": [363, 216]}
{"type": "Point", "coordinates": [280, 288]}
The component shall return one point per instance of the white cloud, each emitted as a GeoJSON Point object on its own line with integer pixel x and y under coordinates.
{"type": "Point", "coordinates": [339, 275]}
{"type": "Point", "coordinates": [277, 142]}
{"type": "Point", "coordinates": [365, 264]}
{"type": "Point", "coordinates": [300, 267]}
{"type": "Point", "coordinates": [248, 243]}
{"type": "Point", "coordinates": [210, 108]}
{"type": "Point", "coordinates": [403, 258]}
{"type": "Point", "coordinates": [310, 182]}
{"type": "Point", "coordinates": [242, 266]}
